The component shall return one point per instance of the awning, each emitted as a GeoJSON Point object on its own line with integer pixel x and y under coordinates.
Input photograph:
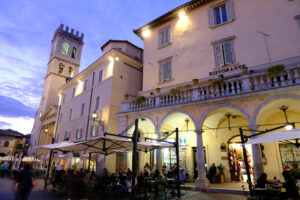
{"type": "Point", "coordinates": [276, 136]}
{"type": "Point", "coordinates": [61, 146]}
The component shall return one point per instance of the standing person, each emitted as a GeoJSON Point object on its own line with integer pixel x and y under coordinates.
{"type": "Point", "coordinates": [24, 183]}
{"type": "Point", "coordinates": [211, 173]}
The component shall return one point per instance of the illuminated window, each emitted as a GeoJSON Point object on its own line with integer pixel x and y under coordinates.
{"type": "Point", "coordinates": [78, 133]}
{"type": "Point", "coordinates": [65, 48]}
{"type": "Point", "coordinates": [220, 14]}
{"type": "Point", "coordinates": [71, 71]}
{"type": "Point", "coordinates": [6, 143]}
{"type": "Point", "coordinates": [165, 71]}
{"type": "Point", "coordinates": [61, 68]}
{"type": "Point", "coordinates": [97, 102]}
{"type": "Point", "coordinates": [94, 130]}
{"type": "Point", "coordinates": [73, 52]}
{"type": "Point", "coordinates": [164, 36]}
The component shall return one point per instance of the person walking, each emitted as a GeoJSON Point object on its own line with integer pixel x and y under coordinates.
{"type": "Point", "coordinates": [211, 173]}
{"type": "Point", "coordinates": [24, 183]}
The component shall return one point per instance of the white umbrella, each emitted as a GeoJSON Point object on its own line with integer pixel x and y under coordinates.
{"type": "Point", "coordinates": [30, 159]}
{"type": "Point", "coordinates": [276, 136]}
{"type": "Point", "coordinates": [7, 158]}
{"type": "Point", "coordinates": [63, 146]}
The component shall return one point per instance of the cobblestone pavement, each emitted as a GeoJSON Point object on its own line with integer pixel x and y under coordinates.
{"type": "Point", "coordinates": [38, 193]}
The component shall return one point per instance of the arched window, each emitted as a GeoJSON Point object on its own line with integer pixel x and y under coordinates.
{"type": "Point", "coordinates": [73, 52]}
{"type": "Point", "coordinates": [71, 71]}
{"type": "Point", "coordinates": [6, 143]}
{"type": "Point", "coordinates": [65, 48]}
{"type": "Point", "coordinates": [61, 68]}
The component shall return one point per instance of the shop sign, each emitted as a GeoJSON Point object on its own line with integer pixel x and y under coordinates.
{"type": "Point", "coordinates": [227, 69]}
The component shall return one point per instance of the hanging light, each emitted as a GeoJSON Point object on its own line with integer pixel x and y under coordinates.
{"type": "Point", "coordinates": [288, 127]}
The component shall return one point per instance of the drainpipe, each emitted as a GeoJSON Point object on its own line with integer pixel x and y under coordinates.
{"type": "Point", "coordinates": [90, 104]}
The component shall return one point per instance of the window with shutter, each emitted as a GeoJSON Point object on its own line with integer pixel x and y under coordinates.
{"type": "Point", "coordinates": [164, 36]}
{"type": "Point", "coordinates": [97, 102]}
{"type": "Point", "coordinates": [82, 109]}
{"type": "Point", "coordinates": [224, 54]}
{"type": "Point", "coordinates": [165, 71]}
{"type": "Point", "coordinates": [220, 14]}
{"type": "Point", "coordinates": [70, 114]}
{"type": "Point", "coordinates": [85, 84]}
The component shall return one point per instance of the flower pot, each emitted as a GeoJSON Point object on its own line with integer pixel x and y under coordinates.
{"type": "Point", "coordinates": [195, 81]}
{"type": "Point", "coordinates": [222, 178]}
{"type": "Point", "coordinates": [157, 90]}
{"type": "Point", "coordinates": [244, 70]}
{"type": "Point", "coordinates": [126, 96]}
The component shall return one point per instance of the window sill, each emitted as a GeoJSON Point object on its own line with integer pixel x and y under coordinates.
{"type": "Point", "coordinates": [166, 81]}
{"type": "Point", "coordinates": [215, 26]}
{"type": "Point", "coordinates": [160, 47]}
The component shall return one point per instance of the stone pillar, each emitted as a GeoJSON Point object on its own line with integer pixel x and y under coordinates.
{"type": "Point", "coordinates": [100, 164]}
{"type": "Point", "coordinates": [201, 180]}
{"type": "Point", "coordinates": [69, 160]}
{"type": "Point", "coordinates": [158, 156]}
{"type": "Point", "coordinates": [257, 159]}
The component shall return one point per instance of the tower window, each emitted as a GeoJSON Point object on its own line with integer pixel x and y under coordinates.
{"type": "Point", "coordinates": [71, 71]}
{"type": "Point", "coordinates": [65, 48]}
{"type": "Point", "coordinates": [61, 68]}
{"type": "Point", "coordinates": [73, 52]}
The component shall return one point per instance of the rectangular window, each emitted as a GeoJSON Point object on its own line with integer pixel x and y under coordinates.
{"type": "Point", "coordinates": [82, 109]}
{"type": "Point", "coordinates": [78, 133]}
{"type": "Point", "coordinates": [164, 36]}
{"type": "Point", "coordinates": [64, 97]}
{"type": "Point", "coordinates": [165, 71]}
{"type": "Point", "coordinates": [94, 130]}
{"type": "Point", "coordinates": [73, 93]}
{"type": "Point", "coordinates": [100, 75]}
{"type": "Point", "coordinates": [97, 102]}
{"type": "Point", "coordinates": [220, 14]}
{"type": "Point", "coordinates": [70, 114]}
{"type": "Point", "coordinates": [67, 135]}
{"type": "Point", "coordinates": [85, 84]}
{"type": "Point", "coordinates": [224, 53]}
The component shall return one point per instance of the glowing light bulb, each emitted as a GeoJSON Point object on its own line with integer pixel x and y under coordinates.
{"type": "Point", "coordinates": [181, 14]}
{"type": "Point", "coordinates": [288, 127]}
{"type": "Point", "coordinates": [146, 33]}
{"type": "Point", "coordinates": [117, 58]}
{"type": "Point", "coordinates": [111, 59]}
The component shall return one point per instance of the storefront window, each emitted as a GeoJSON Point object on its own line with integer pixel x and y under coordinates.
{"type": "Point", "coordinates": [290, 156]}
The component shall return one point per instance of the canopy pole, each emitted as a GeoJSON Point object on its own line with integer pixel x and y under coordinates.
{"type": "Point", "coordinates": [134, 158]}
{"type": "Point", "coordinates": [246, 160]}
{"type": "Point", "coordinates": [90, 155]}
{"type": "Point", "coordinates": [48, 169]}
{"type": "Point", "coordinates": [177, 163]}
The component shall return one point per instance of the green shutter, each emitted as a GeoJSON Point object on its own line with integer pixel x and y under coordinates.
{"type": "Point", "coordinates": [227, 53]}
{"type": "Point", "coordinates": [230, 11]}
{"type": "Point", "coordinates": [211, 18]}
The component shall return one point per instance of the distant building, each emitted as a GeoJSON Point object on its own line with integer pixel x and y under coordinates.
{"type": "Point", "coordinates": [12, 142]}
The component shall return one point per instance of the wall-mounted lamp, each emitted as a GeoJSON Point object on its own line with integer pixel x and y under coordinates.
{"type": "Point", "coordinates": [146, 33]}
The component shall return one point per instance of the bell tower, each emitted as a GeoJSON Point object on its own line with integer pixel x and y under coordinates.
{"type": "Point", "coordinates": [64, 63]}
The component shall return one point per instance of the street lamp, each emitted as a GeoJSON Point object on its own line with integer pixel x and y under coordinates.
{"type": "Point", "coordinates": [94, 115]}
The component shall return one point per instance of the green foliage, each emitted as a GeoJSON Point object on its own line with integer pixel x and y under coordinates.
{"type": "Point", "coordinates": [295, 173]}
{"type": "Point", "coordinates": [140, 99]}
{"type": "Point", "coordinates": [74, 167]}
{"type": "Point", "coordinates": [221, 168]}
{"type": "Point", "coordinates": [275, 69]}
{"type": "Point", "coordinates": [174, 91]}
{"type": "Point", "coordinates": [217, 81]}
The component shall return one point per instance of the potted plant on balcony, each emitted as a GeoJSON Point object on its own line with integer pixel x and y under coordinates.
{"type": "Point", "coordinates": [151, 93]}
{"type": "Point", "coordinates": [217, 81]}
{"type": "Point", "coordinates": [275, 70]}
{"type": "Point", "coordinates": [140, 99]}
{"type": "Point", "coordinates": [126, 96]}
{"type": "Point", "coordinates": [157, 90]}
{"type": "Point", "coordinates": [195, 81]}
{"type": "Point", "coordinates": [244, 69]}
{"type": "Point", "coordinates": [174, 91]}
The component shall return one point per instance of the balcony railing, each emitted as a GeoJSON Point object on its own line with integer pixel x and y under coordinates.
{"type": "Point", "coordinates": [243, 84]}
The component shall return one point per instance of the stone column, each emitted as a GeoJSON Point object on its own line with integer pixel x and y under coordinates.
{"type": "Point", "coordinates": [69, 160]}
{"type": "Point", "coordinates": [201, 180]}
{"type": "Point", "coordinates": [158, 156]}
{"type": "Point", "coordinates": [100, 164]}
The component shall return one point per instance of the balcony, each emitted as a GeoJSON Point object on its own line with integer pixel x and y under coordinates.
{"type": "Point", "coordinates": [238, 85]}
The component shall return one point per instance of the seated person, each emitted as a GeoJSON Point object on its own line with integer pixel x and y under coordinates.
{"type": "Point", "coordinates": [290, 185]}
{"type": "Point", "coordinates": [262, 181]}
{"type": "Point", "coordinates": [156, 174]}
{"type": "Point", "coordinates": [276, 182]}
{"type": "Point", "coordinates": [146, 172]}
{"type": "Point", "coordinates": [124, 180]}
{"type": "Point", "coordinates": [182, 176]}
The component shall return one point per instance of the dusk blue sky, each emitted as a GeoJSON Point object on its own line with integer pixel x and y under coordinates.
{"type": "Point", "coordinates": [26, 31]}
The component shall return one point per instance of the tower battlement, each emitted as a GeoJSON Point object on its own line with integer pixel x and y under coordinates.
{"type": "Point", "coordinates": [64, 30]}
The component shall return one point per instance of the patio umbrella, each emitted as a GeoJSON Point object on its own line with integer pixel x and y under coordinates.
{"type": "Point", "coordinates": [61, 146]}
{"type": "Point", "coordinates": [30, 159]}
{"type": "Point", "coordinates": [7, 158]}
{"type": "Point", "coordinates": [276, 136]}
